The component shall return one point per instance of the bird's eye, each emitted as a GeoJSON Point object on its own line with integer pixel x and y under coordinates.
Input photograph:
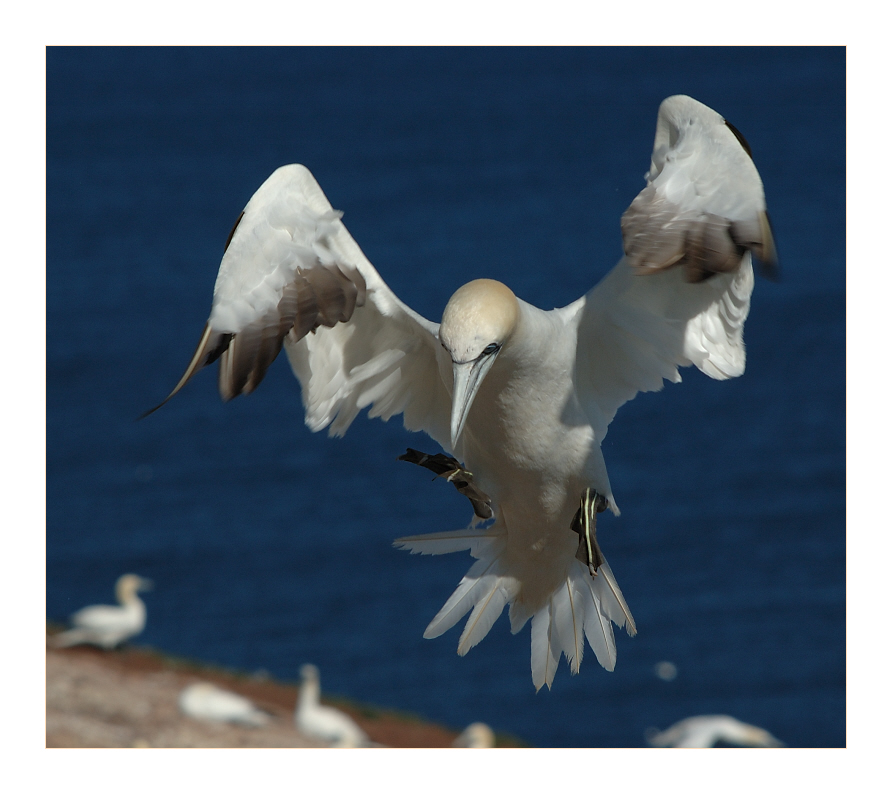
{"type": "Point", "coordinates": [490, 349]}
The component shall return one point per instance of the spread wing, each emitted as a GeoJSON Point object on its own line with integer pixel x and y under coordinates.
{"type": "Point", "coordinates": [681, 293]}
{"type": "Point", "coordinates": [292, 274]}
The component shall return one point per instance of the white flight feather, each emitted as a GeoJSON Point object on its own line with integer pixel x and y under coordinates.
{"type": "Point", "coordinates": [636, 331]}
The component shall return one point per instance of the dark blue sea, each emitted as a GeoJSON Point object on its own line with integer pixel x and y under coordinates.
{"type": "Point", "coordinates": [270, 546]}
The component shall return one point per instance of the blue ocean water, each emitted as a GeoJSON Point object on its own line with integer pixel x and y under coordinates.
{"type": "Point", "coordinates": [271, 546]}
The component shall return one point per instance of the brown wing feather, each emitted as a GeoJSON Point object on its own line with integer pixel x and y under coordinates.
{"type": "Point", "coordinates": [318, 296]}
{"type": "Point", "coordinates": [658, 235]}
{"type": "Point", "coordinates": [321, 295]}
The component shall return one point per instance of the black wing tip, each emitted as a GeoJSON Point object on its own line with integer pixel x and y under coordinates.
{"type": "Point", "coordinates": [210, 347]}
{"type": "Point", "coordinates": [769, 271]}
{"type": "Point", "coordinates": [151, 410]}
{"type": "Point", "coordinates": [766, 254]}
{"type": "Point", "coordinates": [740, 139]}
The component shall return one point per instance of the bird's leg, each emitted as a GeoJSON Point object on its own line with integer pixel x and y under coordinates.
{"type": "Point", "coordinates": [451, 470]}
{"type": "Point", "coordinates": [584, 524]}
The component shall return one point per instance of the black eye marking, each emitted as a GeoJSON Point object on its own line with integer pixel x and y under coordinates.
{"type": "Point", "coordinates": [740, 138]}
{"type": "Point", "coordinates": [491, 348]}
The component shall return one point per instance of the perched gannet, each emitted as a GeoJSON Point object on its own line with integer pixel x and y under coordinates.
{"type": "Point", "coordinates": [204, 701]}
{"type": "Point", "coordinates": [710, 729]}
{"type": "Point", "coordinates": [324, 722]}
{"type": "Point", "coordinates": [477, 735]}
{"type": "Point", "coordinates": [108, 626]}
{"type": "Point", "coordinates": [523, 397]}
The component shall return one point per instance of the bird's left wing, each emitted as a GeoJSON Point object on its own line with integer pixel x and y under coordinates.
{"type": "Point", "coordinates": [681, 293]}
{"type": "Point", "coordinates": [291, 274]}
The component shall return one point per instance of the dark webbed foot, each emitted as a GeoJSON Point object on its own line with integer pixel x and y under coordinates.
{"type": "Point", "coordinates": [584, 524]}
{"type": "Point", "coordinates": [451, 470]}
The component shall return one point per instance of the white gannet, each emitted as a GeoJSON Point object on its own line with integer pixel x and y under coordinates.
{"type": "Point", "coordinates": [523, 397]}
{"type": "Point", "coordinates": [108, 626]}
{"type": "Point", "coordinates": [710, 729]}
{"type": "Point", "coordinates": [477, 735]}
{"type": "Point", "coordinates": [324, 722]}
{"type": "Point", "coordinates": [205, 701]}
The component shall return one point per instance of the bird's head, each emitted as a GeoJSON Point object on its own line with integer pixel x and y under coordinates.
{"type": "Point", "coordinates": [129, 584]}
{"type": "Point", "coordinates": [477, 322]}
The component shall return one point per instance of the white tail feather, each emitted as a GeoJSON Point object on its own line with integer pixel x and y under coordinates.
{"type": "Point", "coordinates": [569, 616]}
{"type": "Point", "coordinates": [581, 607]}
{"type": "Point", "coordinates": [598, 630]}
{"type": "Point", "coordinates": [473, 540]}
{"type": "Point", "coordinates": [464, 597]}
{"type": "Point", "coordinates": [486, 612]}
{"type": "Point", "coordinates": [544, 656]}
{"type": "Point", "coordinates": [623, 616]}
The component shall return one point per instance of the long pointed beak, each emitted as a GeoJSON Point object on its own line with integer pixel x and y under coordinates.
{"type": "Point", "coordinates": [466, 379]}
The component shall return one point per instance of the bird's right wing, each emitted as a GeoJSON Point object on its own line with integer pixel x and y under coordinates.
{"type": "Point", "coordinates": [292, 274]}
{"type": "Point", "coordinates": [681, 293]}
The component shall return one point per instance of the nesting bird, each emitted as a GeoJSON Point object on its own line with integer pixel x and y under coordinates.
{"type": "Point", "coordinates": [519, 396]}
{"type": "Point", "coordinates": [205, 701]}
{"type": "Point", "coordinates": [324, 722]}
{"type": "Point", "coordinates": [109, 626]}
{"type": "Point", "coordinates": [710, 730]}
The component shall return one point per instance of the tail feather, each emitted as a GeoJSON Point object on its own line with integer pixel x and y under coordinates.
{"type": "Point", "coordinates": [581, 607]}
{"type": "Point", "coordinates": [598, 630]}
{"type": "Point", "coordinates": [616, 608]}
{"type": "Point", "coordinates": [569, 617]}
{"type": "Point", "coordinates": [479, 543]}
{"type": "Point", "coordinates": [544, 653]}
{"type": "Point", "coordinates": [486, 612]}
{"type": "Point", "coordinates": [464, 597]}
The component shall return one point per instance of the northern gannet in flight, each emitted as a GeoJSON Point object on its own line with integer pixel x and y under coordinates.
{"type": "Point", "coordinates": [523, 397]}
{"type": "Point", "coordinates": [205, 701]}
{"type": "Point", "coordinates": [324, 722]}
{"type": "Point", "coordinates": [710, 729]}
{"type": "Point", "coordinates": [109, 626]}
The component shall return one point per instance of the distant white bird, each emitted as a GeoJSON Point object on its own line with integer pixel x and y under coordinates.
{"type": "Point", "coordinates": [324, 722]}
{"type": "Point", "coordinates": [710, 729]}
{"type": "Point", "coordinates": [477, 735]}
{"type": "Point", "coordinates": [108, 626]}
{"type": "Point", "coordinates": [204, 701]}
{"type": "Point", "coordinates": [522, 396]}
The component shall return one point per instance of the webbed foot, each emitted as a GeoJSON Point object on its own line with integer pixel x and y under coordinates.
{"type": "Point", "coordinates": [451, 470]}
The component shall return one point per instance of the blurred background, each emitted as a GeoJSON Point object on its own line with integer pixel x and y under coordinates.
{"type": "Point", "coordinates": [271, 546]}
